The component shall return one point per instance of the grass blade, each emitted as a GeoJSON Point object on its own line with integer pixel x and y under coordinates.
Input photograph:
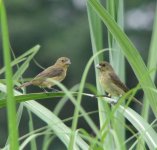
{"type": "Point", "coordinates": [152, 62]}
{"type": "Point", "coordinates": [115, 8]}
{"type": "Point", "coordinates": [25, 65]}
{"type": "Point", "coordinates": [11, 107]}
{"type": "Point", "coordinates": [130, 52]}
{"type": "Point", "coordinates": [146, 131]}
{"type": "Point", "coordinates": [96, 40]}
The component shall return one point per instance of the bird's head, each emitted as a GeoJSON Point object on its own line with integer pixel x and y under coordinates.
{"type": "Point", "coordinates": [104, 66]}
{"type": "Point", "coordinates": [63, 61]}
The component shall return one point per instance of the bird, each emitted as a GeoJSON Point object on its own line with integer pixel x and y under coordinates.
{"type": "Point", "coordinates": [56, 72]}
{"type": "Point", "coordinates": [110, 81]}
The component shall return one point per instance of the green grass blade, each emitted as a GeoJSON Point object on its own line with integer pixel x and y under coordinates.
{"type": "Point", "coordinates": [79, 98]}
{"type": "Point", "coordinates": [47, 141]}
{"type": "Point", "coordinates": [62, 102]}
{"type": "Point", "coordinates": [130, 52]}
{"type": "Point", "coordinates": [37, 96]}
{"type": "Point", "coordinates": [25, 65]}
{"type": "Point", "coordinates": [59, 128]}
{"type": "Point", "coordinates": [96, 39]}
{"type": "Point", "coordinates": [21, 57]}
{"type": "Point", "coordinates": [152, 62]}
{"type": "Point", "coordinates": [13, 63]}
{"type": "Point", "coordinates": [62, 131]}
{"type": "Point", "coordinates": [78, 108]}
{"type": "Point", "coordinates": [33, 143]}
{"type": "Point", "coordinates": [11, 107]}
{"type": "Point", "coordinates": [95, 24]}
{"type": "Point", "coordinates": [111, 9]}
{"type": "Point", "coordinates": [69, 94]}
{"type": "Point", "coordinates": [146, 131]}
{"type": "Point", "coordinates": [26, 97]}
{"type": "Point", "coordinates": [29, 139]}
{"type": "Point", "coordinates": [115, 8]}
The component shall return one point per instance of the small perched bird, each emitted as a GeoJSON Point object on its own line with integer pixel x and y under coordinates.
{"type": "Point", "coordinates": [111, 82]}
{"type": "Point", "coordinates": [56, 72]}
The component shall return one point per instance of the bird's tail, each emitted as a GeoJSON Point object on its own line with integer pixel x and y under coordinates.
{"type": "Point", "coordinates": [24, 85]}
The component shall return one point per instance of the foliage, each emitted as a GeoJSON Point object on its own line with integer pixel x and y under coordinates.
{"type": "Point", "coordinates": [111, 133]}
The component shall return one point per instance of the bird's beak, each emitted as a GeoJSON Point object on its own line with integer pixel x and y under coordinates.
{"type": "Point", "coordinates": [98, 66]}
{"type": "Point", "coordinates": [68, 62]}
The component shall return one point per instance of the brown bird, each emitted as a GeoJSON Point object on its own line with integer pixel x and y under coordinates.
{"type": "Point", "coordinates": [111, 82]}
{"type": "Point", "coordinates": [56, 72]}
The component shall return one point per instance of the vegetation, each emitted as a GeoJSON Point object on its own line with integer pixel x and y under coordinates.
{"type": "Point", "coordinates": [111, 134]}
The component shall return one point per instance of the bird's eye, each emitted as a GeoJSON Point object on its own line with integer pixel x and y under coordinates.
{"type": "Point", "coordinates": [62, 60]}
{"type": "Point", "coordinates": [102, 64]}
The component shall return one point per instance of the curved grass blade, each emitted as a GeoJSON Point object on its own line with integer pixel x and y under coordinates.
{"type": "Point", "coordinates": [59, 128]}
{"type": "Point", "coordinates": [25, 65]}
{"type": "Point", "coordinates": [146, 131]}
{"type": "Point", "coordinates": [20, 58]}
{"type": "Point", "coordinates": [36, 96]}
{"type": "Point", "coordinates": [79, 98]}
{"type": "Point", "coordinates": [129, 51]}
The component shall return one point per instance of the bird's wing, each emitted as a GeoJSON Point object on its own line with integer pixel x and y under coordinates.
{"type": "Point", "coordinates": [50, 72]}
{"type": "Point", "coordinates": [117, 81]}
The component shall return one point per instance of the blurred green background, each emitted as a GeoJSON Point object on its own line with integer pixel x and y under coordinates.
{"type": "Point", "coordinates": [61, 28]}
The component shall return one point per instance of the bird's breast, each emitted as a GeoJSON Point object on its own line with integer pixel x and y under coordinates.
{"type": "Point", "coordinates": [104, 80]}
{"type": "Point", "coordinates": [109, 86]}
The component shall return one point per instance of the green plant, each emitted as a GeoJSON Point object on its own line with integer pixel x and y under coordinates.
{"type": "Point", "coordinates": [111, 133]}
